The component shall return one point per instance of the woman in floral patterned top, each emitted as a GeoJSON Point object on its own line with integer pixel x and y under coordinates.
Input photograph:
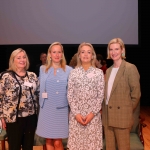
{"type": "Point", "coordinates": [18, 101]}
{"type": "Point", "coordinates": [85, 96]}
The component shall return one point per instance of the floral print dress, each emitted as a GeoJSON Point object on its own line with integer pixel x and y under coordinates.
{"type": "Point", "coordinates": [85, 95]}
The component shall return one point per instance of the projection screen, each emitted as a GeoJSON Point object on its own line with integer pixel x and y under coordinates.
{"type": "Point", "coordinates": [68, 21]}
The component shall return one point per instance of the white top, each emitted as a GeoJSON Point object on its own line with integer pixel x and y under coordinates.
{"type": "Point", "coordinates": [110, 83]}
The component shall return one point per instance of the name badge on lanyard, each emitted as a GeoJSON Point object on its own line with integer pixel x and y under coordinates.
{"type": "Point", "coordinates": [44, 95]}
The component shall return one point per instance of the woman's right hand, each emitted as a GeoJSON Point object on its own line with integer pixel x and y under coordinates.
{"type": "Point", "coordinates": [80, 119]}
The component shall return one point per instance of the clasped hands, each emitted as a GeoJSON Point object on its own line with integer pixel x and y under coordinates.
{"type": "Point", "coordinates": [84, 120]}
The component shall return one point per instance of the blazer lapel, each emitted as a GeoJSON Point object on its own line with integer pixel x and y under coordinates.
{"type": "Point", "coordinates": [106, 80]}
{"type": "Point", "coordinates": [118, 76]}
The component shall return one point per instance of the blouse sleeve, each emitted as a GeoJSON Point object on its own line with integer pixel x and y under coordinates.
{"type": "Point", "coordinates": [72, 100]}
{"type": "Point", "coordinates": [1, 96]}
{"type": "Point", "coordinates": [97, 103]}
{"type": "Point", "coordinates": [36, 92]}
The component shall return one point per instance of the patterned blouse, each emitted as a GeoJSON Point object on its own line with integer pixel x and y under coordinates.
{"type": "Point", "coordinates": [11, 86]}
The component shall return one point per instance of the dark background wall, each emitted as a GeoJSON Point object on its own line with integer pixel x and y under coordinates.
{"type": "Point", "coordinates": [138, 55]}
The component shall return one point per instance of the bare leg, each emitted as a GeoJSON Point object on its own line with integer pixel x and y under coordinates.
{"type": "Point", "coordinates": [49, 144]}
{"type": "Point", "coordinates": [58, 144]}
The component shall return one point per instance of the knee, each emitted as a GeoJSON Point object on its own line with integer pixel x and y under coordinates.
{"type": "Point", "coordinates": [49, 142]}
{"type": "Point", "coordinates": [57, 143]}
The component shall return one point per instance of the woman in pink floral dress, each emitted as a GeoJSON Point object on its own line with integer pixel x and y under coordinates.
{"type": "Point", "coordinates": [85, 96]}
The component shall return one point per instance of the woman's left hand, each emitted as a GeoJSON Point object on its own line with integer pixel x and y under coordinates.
{"type": "Point", "coordinates": [88, 118]}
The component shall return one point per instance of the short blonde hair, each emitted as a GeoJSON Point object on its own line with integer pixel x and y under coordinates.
{"type": "Point", "coordinates": [12, 66]}
{"type": "Point", "coordinates": [79, 63]}
{"type": "Point", "coordinates": [49, 61]}
{"type": "Point", "coordinates": [121, 43]}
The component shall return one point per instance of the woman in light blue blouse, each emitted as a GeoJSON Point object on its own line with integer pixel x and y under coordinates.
{"type": "Point", "coordinates": [53, 115]}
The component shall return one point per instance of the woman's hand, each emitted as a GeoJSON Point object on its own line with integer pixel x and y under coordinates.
{"type": "Point", "coordinates": [101, 111]}
{"type": "Point", "coordinates": [88, 118]}
{"type": "Point", "coordinates": [80, 119]}
{"type": "Point", "coordinates": [3, 124]}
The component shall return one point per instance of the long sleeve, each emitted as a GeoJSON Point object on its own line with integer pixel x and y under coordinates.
{"type": "Point", "coordinates": [97, 103]}
{"type": "Point", "coordinates": [36, 92]}
{"type": "Point", "coordinates": [1, 98]}
{"type": "Point", "coordinates": [42, 79]}
{"type": "Point", "coordinates": [134, 83]}
{"type": "Point", "coordinates": [72, 99]}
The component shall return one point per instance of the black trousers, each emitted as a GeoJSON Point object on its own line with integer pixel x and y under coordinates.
{"type": "Point", "coordinates": [21, 133]}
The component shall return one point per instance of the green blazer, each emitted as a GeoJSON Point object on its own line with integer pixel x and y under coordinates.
{"type": "Point", "coordinates": [124, 97]}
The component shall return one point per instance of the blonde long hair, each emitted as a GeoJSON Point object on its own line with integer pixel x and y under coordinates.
{"type": "Point", "coordinates": [49, 61]}
{"type": "Point", "coordinates": [12, 66]}
{"type": "Point", "coordinates": [79, 63]}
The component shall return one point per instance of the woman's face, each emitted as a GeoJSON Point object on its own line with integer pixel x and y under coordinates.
{"type": "Point", "coordinates": [43, 58]}
{"type": "Point", "coordinates": [20, 60]}
{"type": "Point", "coordinates": [86, 54]}
{"type": "Point", "coordinates": [115, 51]}
{"type": "Point", "coordinates": [56, 53]}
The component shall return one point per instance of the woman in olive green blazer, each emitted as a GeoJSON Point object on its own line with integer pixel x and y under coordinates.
{"type": "Point", "coordinates": [122, 94]}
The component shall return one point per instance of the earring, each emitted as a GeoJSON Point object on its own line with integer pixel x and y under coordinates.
{"type": "Point", "coordinates": [123, 54]}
